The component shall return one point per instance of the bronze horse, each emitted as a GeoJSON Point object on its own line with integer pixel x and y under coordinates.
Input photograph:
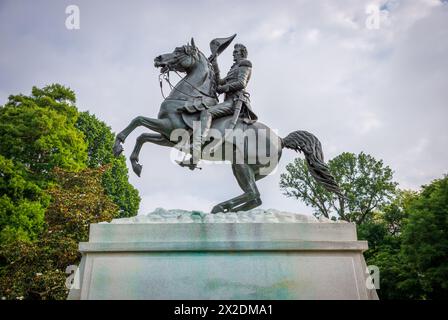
{"type": "Point", "coordinates": [249, 163]}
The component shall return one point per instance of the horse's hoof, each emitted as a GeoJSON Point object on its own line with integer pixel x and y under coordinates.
{"type": "Point", "coordinates": [118, 148]}
{"type": "Point", "coordinates": [137, 168]}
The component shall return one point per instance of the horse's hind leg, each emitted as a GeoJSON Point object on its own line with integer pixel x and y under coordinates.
{"type": "Point", "coordinates": [157, 125]}
{"type": "Point", "coordinates": [245, 177]}
{"type": "Point", "coordinates": [156, 138]}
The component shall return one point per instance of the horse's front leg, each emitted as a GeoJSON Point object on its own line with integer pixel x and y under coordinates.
{"type": "Point", "coordinates": [157, 125]}
{"type": "Point", "coordinates": [156, 138]}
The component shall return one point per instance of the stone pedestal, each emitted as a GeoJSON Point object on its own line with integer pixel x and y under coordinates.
{"type": "Point", "coordinates": [253, 255]}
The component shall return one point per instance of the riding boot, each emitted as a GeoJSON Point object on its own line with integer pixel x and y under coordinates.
{"type": "Point", "coordinates": [206, 122]}
{"type": "Point", "coordinates": [200, 134]}
{"type": "Point", "coordinates": [196, 148]}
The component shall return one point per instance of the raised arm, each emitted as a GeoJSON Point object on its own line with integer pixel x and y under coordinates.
{"type": "Point", "coordinates": [218, 79]}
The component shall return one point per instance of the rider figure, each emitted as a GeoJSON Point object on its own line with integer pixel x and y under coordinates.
{"type": "Point", "coordinates": [233, 86]}
{"type": "Point", "coordinates": [236, 101]}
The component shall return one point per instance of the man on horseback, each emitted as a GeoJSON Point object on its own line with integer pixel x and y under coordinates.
{"type": "Point", "coordinates": [193, 98]}
{"type": "Point", "coordinates": [236, 100]}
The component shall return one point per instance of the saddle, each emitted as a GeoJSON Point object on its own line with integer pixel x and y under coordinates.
{"type": "Point", "coordinates": [218, 124]}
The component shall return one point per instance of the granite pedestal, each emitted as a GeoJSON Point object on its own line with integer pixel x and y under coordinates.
{"type": "Point", "coordinates": [253, 255]}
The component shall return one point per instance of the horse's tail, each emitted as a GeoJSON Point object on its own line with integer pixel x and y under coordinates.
{"type": "Point", "coordinates": [308, 144]}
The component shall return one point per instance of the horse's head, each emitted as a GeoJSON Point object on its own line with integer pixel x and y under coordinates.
{"type": "Point", "coordinates": [182, 59]}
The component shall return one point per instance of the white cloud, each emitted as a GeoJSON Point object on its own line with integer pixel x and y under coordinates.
{"type": "Point", "coordinates": [313, 35]}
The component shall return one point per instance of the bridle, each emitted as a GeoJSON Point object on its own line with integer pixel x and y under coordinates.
{"type": "Point", "coordinates": [165, 75]}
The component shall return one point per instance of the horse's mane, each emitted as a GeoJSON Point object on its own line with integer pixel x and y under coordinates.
{"type": "Point", "coordinates": [211, 70]}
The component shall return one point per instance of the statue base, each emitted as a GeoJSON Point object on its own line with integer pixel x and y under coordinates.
{"type": "Point", "coordinates": [260, 254]}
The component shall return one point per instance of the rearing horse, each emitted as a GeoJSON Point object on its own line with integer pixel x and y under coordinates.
{"type": "Point", "coordinates": [249, 161]}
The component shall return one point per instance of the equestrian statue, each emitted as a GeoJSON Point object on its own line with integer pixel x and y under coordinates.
{"type": "Point", "coordinates": [220, 131]}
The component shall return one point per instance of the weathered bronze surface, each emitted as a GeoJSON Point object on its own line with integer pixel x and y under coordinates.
{"type": "Point", "coordinates": [210, 126]}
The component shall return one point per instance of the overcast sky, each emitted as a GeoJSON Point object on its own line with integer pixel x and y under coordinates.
{"type": "Point", "coordinates": [316, 67]}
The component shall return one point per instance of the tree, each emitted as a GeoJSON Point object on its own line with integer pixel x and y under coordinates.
{"type": "Point", "coordinates": [100, 140]}
{"type": "Point", "coordinates": [383, 233]}
{"type": "Point", "coordinates": [36, 270]}
{"type": "Point", "coordinates": [47, 196]}
{"type": "Point", "coordinates": [22, 203]}
{"type": "Point", "coordinates": [123, 194]}
{"type": "Point", "coordinates": [425, 240]}
{"type": "Point", "coordinates": [365, 181]}
{"type": "Point", "coordinates": [395, 213]}
{"type": "Point", "coordinates": [394, 273]}
{"type": "Point", "coordinates": [38, 134]}
{"type": "Point", "coordinates": [409, 245]}
{"type": "Point", "coordinates": [38, 130]}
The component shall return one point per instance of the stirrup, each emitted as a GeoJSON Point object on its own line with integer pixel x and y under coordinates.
{"type": "Point", "coordinates": [188, 163]}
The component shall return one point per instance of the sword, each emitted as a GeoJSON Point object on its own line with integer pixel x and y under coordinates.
{"type": "Point", "coordinates": [238, 105]}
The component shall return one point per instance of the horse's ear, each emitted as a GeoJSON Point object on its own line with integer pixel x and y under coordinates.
{"type": "Point", "coordinates": [192, 43]}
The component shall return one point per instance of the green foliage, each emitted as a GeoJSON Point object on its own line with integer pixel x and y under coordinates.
{"type": "Point", "coordinates": [383, 236]}
{"type": "Point", "coordinates": [395, 213]}
{"type": "Point", "coordinates": [408, 241]}
{"type": "Point", "coordinates": [384, 252]}
{"type": "Point", "coordinates": [38, 130]}
{"type": "Point", "coordinates": [38, 134]}
{"type": "Point", "coordinates": [50, 152]}
{"type": "Point", "coordinates": [115, 182]}
{"type": "Point", "coordinates": [43, 131]}
{"type": "Point", "coordinates": [375, 232]}
{"type": "Point", "coordinates": [99, 138]}
{"type": "Point", "coordinates": [100, 141]}
{"type": "Point", "coordinates": [36, 270]}
{"type": "Point", "coordinates": [394, 273]}
{"type": "Point", "coordinates": [384, 228]}
{"type": "Point", "coordinates": [365, 181]}
{"type": "Point", "coordinates": [22, 203]}
{"type": "Point", "coordinates": [406, 231]}
{"type": "Point", "coordinates": [425, 239]}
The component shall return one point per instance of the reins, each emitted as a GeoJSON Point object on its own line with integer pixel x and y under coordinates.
{"type": "Point", "coordinates": [166, 76]}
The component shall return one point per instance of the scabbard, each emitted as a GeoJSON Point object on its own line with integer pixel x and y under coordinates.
{"type": "Point", "coordinates": [236, 113]}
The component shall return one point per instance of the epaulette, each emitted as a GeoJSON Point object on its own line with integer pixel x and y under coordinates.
{"type": "Point", "coordinates": [245, 63]}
